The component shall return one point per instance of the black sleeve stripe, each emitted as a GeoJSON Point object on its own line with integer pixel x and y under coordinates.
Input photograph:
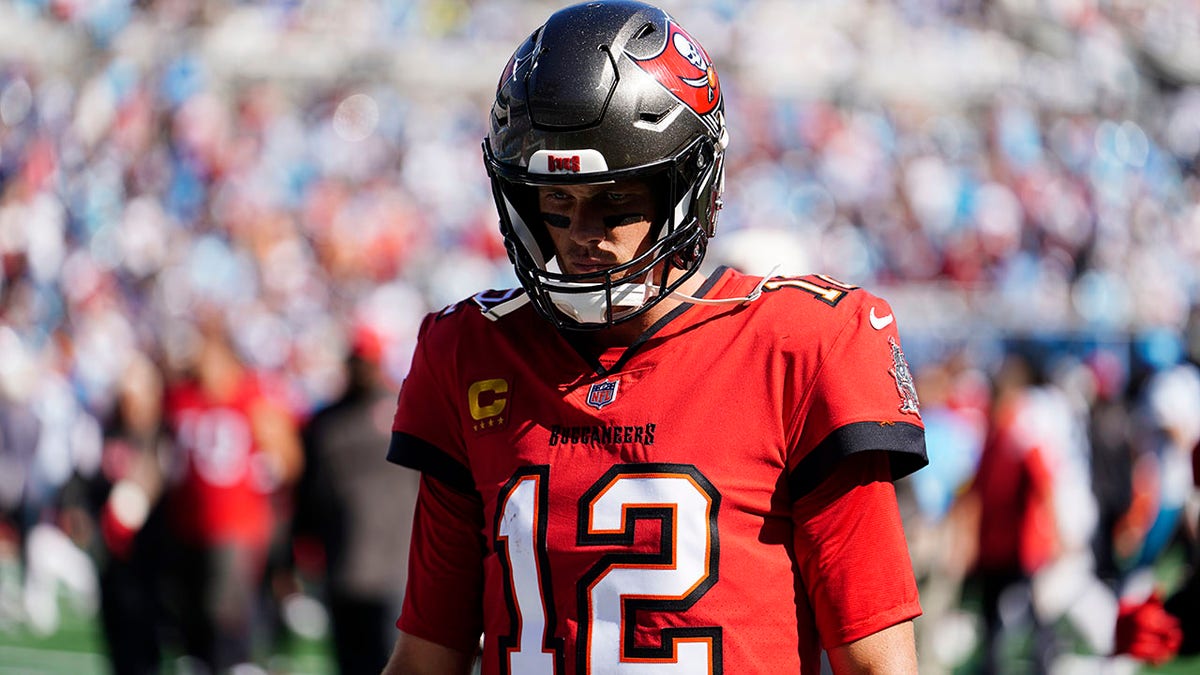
{"type": "Point", "coordinates": [904, 443]}
{"type": "Point", "coordinates": [414, 453]}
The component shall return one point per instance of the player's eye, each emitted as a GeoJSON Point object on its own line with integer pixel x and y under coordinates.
{"type": "Point", "coordinates": [621, 197]}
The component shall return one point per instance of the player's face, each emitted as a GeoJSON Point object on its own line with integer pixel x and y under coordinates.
{"type": "Point", "coordinates": [597, 227]}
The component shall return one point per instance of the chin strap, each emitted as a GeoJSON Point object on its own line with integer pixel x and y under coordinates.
{"type": "Point", "coordinates": [743, 300]}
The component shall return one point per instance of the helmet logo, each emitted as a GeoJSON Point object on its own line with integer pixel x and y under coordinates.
{"type": "Point", "coordinates": [688, 50]}
{"type": "Point", "coordinates": [683, 67]}
{"type": "Point", "coordinates": [583, 160]}
{"type": "Point", "coordinates": [555, 164]}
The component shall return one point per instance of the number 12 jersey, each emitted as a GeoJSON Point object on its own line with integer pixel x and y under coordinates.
{"type": "Point", "coordinates": [715, 498]}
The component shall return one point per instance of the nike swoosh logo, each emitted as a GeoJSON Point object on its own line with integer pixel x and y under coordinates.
{"type": "Point", "coordinates": [880, 322]}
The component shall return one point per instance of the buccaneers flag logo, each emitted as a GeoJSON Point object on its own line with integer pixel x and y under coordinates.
{"type": "Point", "coordinates": [685, 70]}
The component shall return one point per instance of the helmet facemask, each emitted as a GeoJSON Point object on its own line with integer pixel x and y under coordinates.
{"type": "Point", "coordinates": [597, 300]}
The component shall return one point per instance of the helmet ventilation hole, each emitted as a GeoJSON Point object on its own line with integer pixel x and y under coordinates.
{"type": "Point", "coordinates": [653, 117]}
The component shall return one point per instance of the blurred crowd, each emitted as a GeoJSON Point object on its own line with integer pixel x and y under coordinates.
{"type": "Point", "coordinates": [220, 224]}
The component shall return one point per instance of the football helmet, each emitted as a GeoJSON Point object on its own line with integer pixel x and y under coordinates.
{"type": "Point", "coordinates": [607, 91]}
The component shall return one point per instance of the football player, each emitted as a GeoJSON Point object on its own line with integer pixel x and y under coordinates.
{"type": "Point", "coordinates": [629, 466]}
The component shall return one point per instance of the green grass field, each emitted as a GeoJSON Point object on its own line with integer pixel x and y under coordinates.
{"type": "Point", "coordinates": [77, 648]}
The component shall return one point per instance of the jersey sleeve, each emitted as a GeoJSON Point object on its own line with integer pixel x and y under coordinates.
{"type": "Point", "coordinates": [426, 432]}
{"type": "Point", "coordinates": [443, 600]}
{"type": "Point", "coordinates": [861, 397]}
{"type": "Point", "coordinates": [853, 558]}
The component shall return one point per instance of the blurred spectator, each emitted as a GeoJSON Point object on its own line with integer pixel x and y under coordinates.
{"type": "Point", "coordinates": [1013, 495]}
{"type": "Point", "coordinates": [359, 512]}
{"type": "Point", "coordinates": [1155, 631]}
{"type": "Point", "coordinates": [126, 494]}
{"type": "Point", "coordinates": [1164, 487]}
{"type": "Point", "coordinates": [19, 431]}
{"type": "Point", "coordinates": [954, 403]}
{"type": "Point", "coordinates": [1168, 430]}
{"type": "Point", "coordinates": [235, 444]}
{"type": "Point", "coordinates": [1112, 435]}
{"type": "Point", "coordinates": [1184, 602]}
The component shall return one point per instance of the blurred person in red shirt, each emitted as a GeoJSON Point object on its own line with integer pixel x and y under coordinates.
{"type": "Point", "coordinates": [1011, 502]}
{"type": "Point", "coordinates": [235, 445]}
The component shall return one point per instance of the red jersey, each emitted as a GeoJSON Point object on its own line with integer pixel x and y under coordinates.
{"type": "Point", "coordinates": [676, 506]}
{"type": "Point", "coordinates": [221, 495]}
{"type": "Point", "coordinates": [1015, 486]}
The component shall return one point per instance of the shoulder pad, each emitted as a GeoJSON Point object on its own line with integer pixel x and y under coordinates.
{"type": "Point", "coordinates": [495, 304]}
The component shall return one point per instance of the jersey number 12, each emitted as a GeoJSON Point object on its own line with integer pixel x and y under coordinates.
{"type": "Point", "coordinates": [611, 593]}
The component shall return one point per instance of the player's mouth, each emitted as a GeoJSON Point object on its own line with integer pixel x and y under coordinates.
{"type": "Point", "coordinates": [589, 267]}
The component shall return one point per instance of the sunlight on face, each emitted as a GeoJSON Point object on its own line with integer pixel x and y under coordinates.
{"type": "Point", "coordinates": [597, 227]}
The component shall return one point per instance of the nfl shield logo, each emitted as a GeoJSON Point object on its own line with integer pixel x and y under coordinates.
{"type": "Point", "coordinates": [602, 393]}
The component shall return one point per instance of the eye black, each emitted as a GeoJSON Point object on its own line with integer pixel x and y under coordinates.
{"type": "Point", "coordinates": [556, 220]}
{"type": "Point", "coordinates": [623, 219]}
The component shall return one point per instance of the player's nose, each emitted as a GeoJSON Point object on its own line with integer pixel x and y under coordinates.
{"type": "Point", "coordinates": [587, 226]}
